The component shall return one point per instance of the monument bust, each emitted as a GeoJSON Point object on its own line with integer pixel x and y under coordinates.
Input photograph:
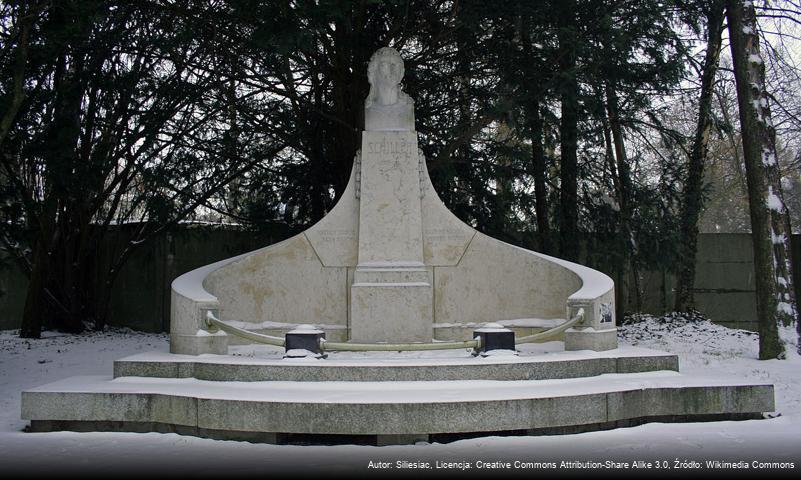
{"type": "Point", "coordinates": [387, 107]}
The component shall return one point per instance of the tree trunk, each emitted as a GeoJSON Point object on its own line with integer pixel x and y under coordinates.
{"type": "Point", "coordinates": [458, 194]}
{"type": "Point", "coordinates": [770, 226]}
{"type": "Point", "coordinates": [36, 296]}
{"type": "Point", "coordinates": [629, 268]}
{"type": "Point", "coordinates": [693, 199]}
{"type": "Point", "coordinates": [568, 133]}
{"type": "Point", "coordinates": [540, 189]}
{"type": "Point", "coordinates": [55, 266]}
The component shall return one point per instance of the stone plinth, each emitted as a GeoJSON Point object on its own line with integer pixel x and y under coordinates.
{"type": "Point", "coordinates": [265, 410]}
{"type": "Point", "coordinates": [391, 298]}
{"type": "Point", "coordinates": [391, 305]}
{"type": "Point", "coordinates": [390, 220]}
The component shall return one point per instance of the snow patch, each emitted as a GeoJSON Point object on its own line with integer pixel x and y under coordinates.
{"type": "Point", "coordinates": [773, 201]}
{"type": "Point", "coordinates": [206, 333]}
{"type": "Point", "coordinates": [755, 58]}
{"type": "Point", "coordinates": [768, 158]}
{"type": "Point", "coordinates": [786, 308]}
{"type": "Point", "coordinates": [499, 353]}
{"type": "Point", "coordinates": [277, 325]}
{"type": "Point", "coordinates": [703, 348]}
{"type": "Point", "coordinates": [777, 239]}
{"type": "Point", "coordinates": [300, 353]}
{"type": "Point", "coordinates": [515, 322]}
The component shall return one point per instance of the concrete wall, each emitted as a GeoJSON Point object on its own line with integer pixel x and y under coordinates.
{"type": "Point", "coordinates": [724, 281]}
{"type": "Point", "coordinates": [142, 290]}
{"type": "Point", "coordinates": [724, 277]}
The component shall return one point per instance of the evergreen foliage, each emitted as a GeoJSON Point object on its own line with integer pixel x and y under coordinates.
{"type": "Point", "coordinates": [550, 124]}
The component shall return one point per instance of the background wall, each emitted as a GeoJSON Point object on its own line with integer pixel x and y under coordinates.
{"type": "Point", "coordinates": [724, 281]}
{"type": "Point", "coordinates": [724, 277]}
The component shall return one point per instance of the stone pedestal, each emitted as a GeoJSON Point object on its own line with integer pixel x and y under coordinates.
{"type": "Point", "coordinates": [390, 263]}
{"type": "Point", "coordinates": [391, 305]}
{"type": "Point", "coordinates": [391, 299]}
{"type": "Point", "coordinates": [597, 331]}
{"type": "Point", "coordinates": [390, 219]}
{"type": "Point", "coordinates": [590, 339]}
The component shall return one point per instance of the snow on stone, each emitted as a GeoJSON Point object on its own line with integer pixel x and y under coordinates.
{"type": "Point", "coordinates": [306, 329]}
{"type": "Point", "coordinates": [499, 353]}
{"type": "Point", "coordinates": [398, 392]}
{"type": "Point", "coordinates": [268, 325]}
{"type": "Point", "coordinates": [273, 356]}
{"type": "Point", "coordinates": [492, 328]}
{"type": "Point", "coordinates": [190, 284]}
{"type": "Point", "coordinates": [206, 333]}
{"type": "Point", "coordinates": [703, 348]}
{"type": "Point", "coordinates": [514, 322]}
{"type": "Point", "coordinates": [593, 283]}
{"type": "Point", "coordinates": [300, 354]}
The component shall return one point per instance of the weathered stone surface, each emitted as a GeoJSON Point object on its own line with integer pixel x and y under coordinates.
{"type": "Point", "coordinates": [590, 339]}
{"type": "Point", "coordinates": [335, 238]}
{"type": "Point", "coordinates": [690, 400]}
{"type": "Point", "coordinates": [394, 408]}
{"type": "Point", "coordinates": [109, 406]}
{"type": "Point", "coordinates": [495, 281]}
{"type": "Point", "coordinates": [390, 223]}
{"type": "Point", "coordinates": [558, 365]}
{"type": "Point", "coordinates": [445, 237]}
{"type": "Point", "coordinates": [283, 283]}
{"type": "Point", "coordinates": [387, 108]}
{"type": "Point", "coordinates": [358, 272]}
{"type": "Point", "coordinates": [391, 312]}
{"type": "Point", "coordinates": [646, 364]}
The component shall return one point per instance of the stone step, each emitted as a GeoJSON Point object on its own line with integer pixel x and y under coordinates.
{"type": "Point", "coordinates": [264, 411]}
{"type": "Point", "coordinates": [446, 366]}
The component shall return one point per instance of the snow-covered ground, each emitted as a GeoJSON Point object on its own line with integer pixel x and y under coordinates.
{"type": "Point", "coordinates": [703, 348]}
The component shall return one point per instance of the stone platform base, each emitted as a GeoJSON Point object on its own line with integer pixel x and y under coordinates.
{"type": "Point", "coordinates": [453, 365]}
{"type": "Point", "coordinates": [363, 400]}
{"type": "Point", "coordinates": [42, 426]}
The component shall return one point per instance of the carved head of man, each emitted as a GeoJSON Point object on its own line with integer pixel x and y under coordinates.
{"type": "Point", "coordinates": [385, 72]}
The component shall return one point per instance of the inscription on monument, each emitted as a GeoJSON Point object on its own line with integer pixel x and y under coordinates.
{"type": "Point", "coordinates": [447, 233]}
{"type": "Point", "coordinates": [335, 234]}
{"type": "Point", "coordinates": [384, 147]}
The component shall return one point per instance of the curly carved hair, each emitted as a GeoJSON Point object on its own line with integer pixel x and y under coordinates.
{"type": "Point", "coordinates": [392, 55]}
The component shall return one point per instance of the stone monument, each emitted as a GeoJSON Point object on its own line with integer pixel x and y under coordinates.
{"type": "Point", "coordinates": [390, 265]}
{"type": "Point", "coordinates": [391, 283]}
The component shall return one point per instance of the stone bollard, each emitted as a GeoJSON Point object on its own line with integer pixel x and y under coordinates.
{"type": "Point", "coordinates": [304, 341]}
{"type": "Point", "coordinates": [494, 337]}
